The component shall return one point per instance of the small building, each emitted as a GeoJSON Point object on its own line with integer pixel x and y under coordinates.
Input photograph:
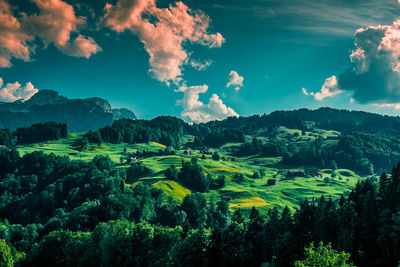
{"type": "Point", "coordinates": [226, 197]}
{"type": "Point", "coordinates": [314, 172]}
{"type": "Point", "coordinates": [256, 161]}
{"type": "Point", "coordinates": [188, 151]}
{"type": "Point", "coordinates": [132, 160]}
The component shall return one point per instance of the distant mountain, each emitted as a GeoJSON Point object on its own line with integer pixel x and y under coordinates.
{"type": "Point", "coordinates": [47, 105]}
{"type": "Point", "coordinates": [123, 113]}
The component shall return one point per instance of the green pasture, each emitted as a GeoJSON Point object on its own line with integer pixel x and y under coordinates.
{"type": "Point", "coordinates": [244, 195]}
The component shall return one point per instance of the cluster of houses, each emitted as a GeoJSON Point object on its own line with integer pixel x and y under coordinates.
{"type": "Point", "coordinates": [313, 172]}
{"type": "Point", "coordinates": [202, 150]}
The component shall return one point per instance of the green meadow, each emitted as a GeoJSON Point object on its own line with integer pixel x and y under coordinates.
{"type": "Point", "coordinates": [244, 195]}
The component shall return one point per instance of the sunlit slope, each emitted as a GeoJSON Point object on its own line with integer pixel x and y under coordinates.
{"type": "Point", "coordinates": [244, 195]}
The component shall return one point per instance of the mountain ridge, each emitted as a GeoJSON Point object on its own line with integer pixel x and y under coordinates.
{"type": "Point", "coordinates": [48, 105]}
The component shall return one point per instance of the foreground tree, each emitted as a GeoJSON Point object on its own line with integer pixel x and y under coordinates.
{"type": "Point", "coordinates": [6, 259]}
{"type": "Point", "coordinates": [323, 256]}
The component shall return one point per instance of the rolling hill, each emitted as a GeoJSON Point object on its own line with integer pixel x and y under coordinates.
{"type": "Point", "coordinates": [244, 195]}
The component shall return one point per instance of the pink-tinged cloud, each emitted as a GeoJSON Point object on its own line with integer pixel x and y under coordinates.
{"type": "Point", "coordinates": [55, 23]}
{"type": "Point", "coordinates": [82, 47]}
{"type": "Point", "coordinates": [197, 111]}
{"type": "Point", "coordinates": [163, 31]}
{"type": "Point", "coordinates": [15, 91]}
{"type": "Point", "coordinates": [126, 14]}
{"type": "Point", "coordinates": [13, 39]}
{"type": "Point", "coordinates": [235, 80]}
{"type": "Point", "coordinates": [329, 89]}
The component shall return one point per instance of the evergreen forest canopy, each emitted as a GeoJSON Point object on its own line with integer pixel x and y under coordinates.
{"type": "Point", "coordinates": [60, 212]}
{"type": "Point", "coordinates": [56, 211]}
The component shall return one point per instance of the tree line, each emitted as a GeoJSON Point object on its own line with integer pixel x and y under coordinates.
{"type": "Point", "coordinates": [36, 133]}
{"type": "Point", "coordinates": [361, 152]}
{"type": "Point", "coordinates": [166, 130]}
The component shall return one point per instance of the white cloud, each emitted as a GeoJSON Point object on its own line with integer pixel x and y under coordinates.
{"type": "Point", "coordinates": [374, 74]}
{"type": "Point", "coordinates": [15, 91]}
{"type": "Point", "coordinates": [197, 111]}
{"type": "Point", "coordinates": [200, 65]}
{"type": "Point", "coordinates": [329, 89]}
{"type": "Point", "coordinates": [163, 31]}
{"type": "Point", "coordinates": [235, 80]}
{"type": "Point", "coordinates": [388, 105]}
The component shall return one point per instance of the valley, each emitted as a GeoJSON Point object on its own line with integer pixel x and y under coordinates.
{"type": "Point", "coordinates": [240, 195]}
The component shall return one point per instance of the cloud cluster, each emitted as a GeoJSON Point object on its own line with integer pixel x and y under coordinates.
{"type": "Point", "coordinates": [55, 23]}
{"type": "Point", "coordinates": [15, 91]}
{"type": "Point", "coordinates": [13, 38]}
{"type": "Point", "coordinates": [329, 89]}
{"type": "Point", "coordinates": [197, 111]}
{"type": "Point", "coordinates": [235, 80]}
{"type": "Point", "coordinates": [163, 31]}
{"type": "Point", "coordinates": [373, 76]}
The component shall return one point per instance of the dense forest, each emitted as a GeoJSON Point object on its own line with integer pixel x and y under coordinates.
{"type": "Point", "coordinates": [344, 121]}
{"type": "Point", "coordinates": [167, 130]}
{"type": "Point", "coordinates": [36, 133]}
{"type": "Point", "coordinates": [59, 212]}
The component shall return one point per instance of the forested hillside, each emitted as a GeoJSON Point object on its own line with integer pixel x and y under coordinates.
{"type": "Point", "coordinates": [162, 192]}
{"type": "Point", "coordinates": [55, 207]}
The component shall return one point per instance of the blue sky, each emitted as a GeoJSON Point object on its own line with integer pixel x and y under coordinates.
{"type": "Point", "coordinates": [278, 47]}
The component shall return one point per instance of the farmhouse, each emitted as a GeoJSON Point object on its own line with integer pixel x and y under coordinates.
{"type": "Point", "coordinates": [132, 160]}
{"type": "Point", "coordinates": [314, 172]}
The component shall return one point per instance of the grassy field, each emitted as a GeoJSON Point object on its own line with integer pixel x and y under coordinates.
{"type": "Point", "coordinates": [70, 147]}
{"type": "Point", "coordinates": [251, 192]}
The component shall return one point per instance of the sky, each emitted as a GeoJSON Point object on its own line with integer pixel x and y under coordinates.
{"type": "Point", "coordinates": [205, 60]}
